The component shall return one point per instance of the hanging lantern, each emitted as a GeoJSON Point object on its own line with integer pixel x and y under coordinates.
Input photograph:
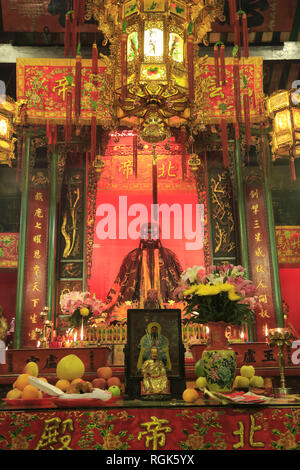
{"type": "Point", "coordinates": [283, 107]}
{"type": "Point", "coordinates": [7, 141]}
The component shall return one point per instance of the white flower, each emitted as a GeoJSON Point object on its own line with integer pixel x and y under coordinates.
{"type": "Point", "coordinates": [191, 273]}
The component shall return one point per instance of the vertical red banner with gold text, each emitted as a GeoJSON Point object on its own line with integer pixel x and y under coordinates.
{"type": "Point", "coordinates": [35, 279]}
{"type": "Point", "coordinates": [260, 264]}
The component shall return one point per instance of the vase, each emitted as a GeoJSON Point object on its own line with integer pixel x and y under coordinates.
{"type": "Point", "coordinates": [219, 360]}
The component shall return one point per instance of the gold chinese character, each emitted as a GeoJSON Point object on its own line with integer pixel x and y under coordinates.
{"type": "Point", "coordinates": [264, 314]}
{"type": "Point", "coordinates": [259, 252]}
{"type": "Point", "coordinates": [261, 285]}
{"type": "Point", "coordinates": [38, 196]}
{"type": "Point", "coordinates": [166, 172]}
{"type": "Point", "coordinates": [263, 298]}
{"type": "Point", "coordinates": [36, 254]}
{"type": "Point", "coordinates": [35, 287]}
{"type": "Point", "coordinates": [62, 86]}
{"type": "Point", "coordinates": [257, 237]}
{"type": "Point", "coordinates": [32, 335]}
{"type": "Point", "coordinates": [37, 239]}
{"type": "Point", "coordinates": [36, 270]}
{"type": "Point", "coordinates": [33, 318]}
{"type": "Point", "coordinates": [254, 209]}
{"type": "Point", "coordinates": [241, 433]}
{"type": "Point", "coordinates": [39, 213]}
{"type": "Point", "coordinates": [50, 433]}
{"type": "Point", "coordinates": [126, 168]}
{"type": "Point", "coordinates": [155, 432]}
{"type": "Point", "coordinates": [38, 225]}
{"type": "Point", "coordinates": [35, 302]}
{"type": "Point", "coordinates": [259, 268]}
{"type": "Point", "coordinates": [256, 223]}
{"type": "Point", "coordinates": [254, 193]}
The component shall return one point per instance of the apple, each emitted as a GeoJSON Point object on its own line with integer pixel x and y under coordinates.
{"type": "Point", "coordinates": [114, 390]}
{"type": "Point", "coordinates": [99, 383]}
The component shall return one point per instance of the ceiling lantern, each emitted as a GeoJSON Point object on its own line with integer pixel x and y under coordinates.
{"type": "Point", "coordinates": [283, 107]}
{"type": "Point", "coordinates": [153, 48]}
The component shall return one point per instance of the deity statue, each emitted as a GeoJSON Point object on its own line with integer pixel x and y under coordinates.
{"type": "Point", "coordinates": [147, 268]}
{"type": "Point", "coordinates": [154, 339]}
{"type": "Point", "coordinates": [155, 380]}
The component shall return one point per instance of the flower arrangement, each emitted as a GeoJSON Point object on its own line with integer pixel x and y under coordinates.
{"type": "Point", "coordinates": [222, 294]}
{"type": "Point", "coordinates": [81, 307]}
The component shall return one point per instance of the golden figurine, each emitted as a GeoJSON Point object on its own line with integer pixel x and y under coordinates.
{"type": "Point", "coordinates": [155, 380]}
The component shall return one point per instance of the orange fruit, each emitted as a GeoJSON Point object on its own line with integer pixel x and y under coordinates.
{"type": "Point", "coordinates": [62, 384]}
{"type": "Point", "coordinates": [30, 392]}
{"type": "Point", "coordinates": [104, 372]}
{"type": "Point", "coordinates": [22, 381]}
{"type": "Point", "coordinates": [43, 378]}
{"type": "Point", "coordinates": [190, 395]}
{"type": "Point", "coordinates": [77, 381]}
{"type": "Point", "coordinates": [14, 393]}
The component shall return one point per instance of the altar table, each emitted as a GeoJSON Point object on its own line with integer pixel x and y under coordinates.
{"type": "Point", "coordinates": [152, 426]}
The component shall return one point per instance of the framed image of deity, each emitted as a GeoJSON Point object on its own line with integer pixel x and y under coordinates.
{"type": "Point", "coordinates": [154, 354]}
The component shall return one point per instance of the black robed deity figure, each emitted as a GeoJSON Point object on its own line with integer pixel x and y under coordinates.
{"type": "Point", "coordinates": [150, 267]}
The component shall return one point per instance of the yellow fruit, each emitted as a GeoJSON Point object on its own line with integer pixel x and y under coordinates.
{"type": "Point", "coordinates": [62, 384]}
{"type": "Point", "coordinates": [201, 382]}
{"type": "Point", "coordinates": [76, 381]}
{"type": "Point", "coordinates": [241, 382]}
{"type": "Point", "coordinates": [31, 368]}
{"type": "Point", "coordinates": [30, 392]}
{"type": "Point", "coordinates": [21, 381]}
{"type": "Point", "coordinates": [13, 394]}
{"type": "Point", "coordinates": [190, 395]}
{"type": "Point", "coordinates": [247, 371]}
{"type": "Point", "coordinates": [70, 367]}
{"type": "Point", "coordinates": [44, 379]}
{"type": "Point", "coordinates": [257, 381]}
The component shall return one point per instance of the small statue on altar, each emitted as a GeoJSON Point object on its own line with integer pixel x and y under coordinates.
{"type": "Point", "coordinates": [154, 339]}
{"type": "Point", "coordinates": [155, 380]}
{"type": "Point", "coordinates": [152, 301]}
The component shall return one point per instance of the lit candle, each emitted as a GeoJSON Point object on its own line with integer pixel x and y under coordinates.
{"type": "Point", "coordinates": [38, 344]}
{"type": "Point", "coordinates": [81, 334]}
{"type": "Point", "coordinates": [242, 335]}
{"type": "Point", "coordinates": [266, 331]}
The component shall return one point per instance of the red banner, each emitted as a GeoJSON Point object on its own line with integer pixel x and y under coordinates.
{"type": "Point", "coordinates": [259, 259]}
{"type": "Point", "coordinates": [183, 428]}
{"type": "Point", "coordinates": [43, 83]}
{"type": "Point", "coordinates": [35, 285]}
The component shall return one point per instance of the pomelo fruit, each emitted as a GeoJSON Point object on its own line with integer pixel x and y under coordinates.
{"type": "Point", "coordinates": [31, 368]}
{"type": "Point", "coordinates": [257, 381]}
{"type": "Point", "coordinates": [104, 372]}
{"type": "Point", "coordinates": [70, 367]}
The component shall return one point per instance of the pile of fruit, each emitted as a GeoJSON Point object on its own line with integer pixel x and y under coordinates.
{"type": "Point", "coordinates": [70, 371]}
{"type": "Point", "coordinates": [248, 379]}
{"type": "Point", "coordinates": [22, 388]}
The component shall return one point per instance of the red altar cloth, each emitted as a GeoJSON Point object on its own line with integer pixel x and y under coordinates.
{"type": "Point", "coordinates": [153, 428]}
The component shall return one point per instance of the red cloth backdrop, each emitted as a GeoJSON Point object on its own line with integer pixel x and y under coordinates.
{"type": "Point", "coordinates": [117, 180]}
{"type": "Point", "coordinates": [290, 281]}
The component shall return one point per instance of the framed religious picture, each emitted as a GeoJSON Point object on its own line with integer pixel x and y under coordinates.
{"type": "Point", "coordinates": [154, 354]}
